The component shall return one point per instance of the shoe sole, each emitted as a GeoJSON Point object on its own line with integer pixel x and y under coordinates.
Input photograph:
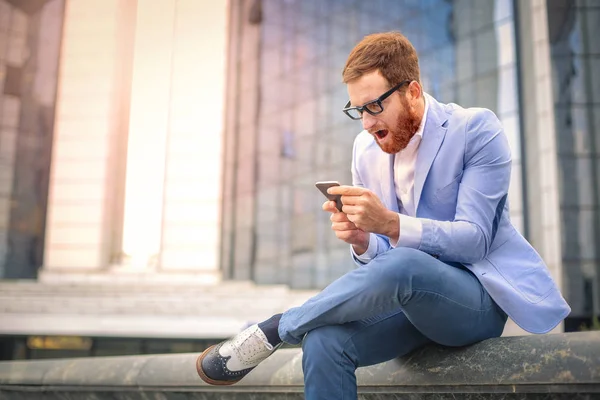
{"type": "Point", "coordinates": [203, 376]}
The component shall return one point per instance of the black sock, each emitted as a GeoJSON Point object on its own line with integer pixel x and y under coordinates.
{"type": "Point", "coordinates": [270, 328]}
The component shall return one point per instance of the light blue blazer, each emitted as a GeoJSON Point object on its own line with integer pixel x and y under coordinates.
{"type": "Point", "coordinates": [462, 175]}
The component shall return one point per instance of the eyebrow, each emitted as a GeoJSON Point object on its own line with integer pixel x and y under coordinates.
{"type": "Point", "coordinates": [366, 102]}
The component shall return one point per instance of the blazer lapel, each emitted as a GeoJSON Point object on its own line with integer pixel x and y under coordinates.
{"type": "Point", "coordinates": [433, 136]}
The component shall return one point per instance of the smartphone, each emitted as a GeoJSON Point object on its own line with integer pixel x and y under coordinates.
{"type": "Point", "coordinates": [323, 186]}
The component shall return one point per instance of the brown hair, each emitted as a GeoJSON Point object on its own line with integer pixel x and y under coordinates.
{"type": "Point", "coordinates": [391, 53]}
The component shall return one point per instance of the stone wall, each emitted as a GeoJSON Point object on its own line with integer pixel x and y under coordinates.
{"type": "Point", "coordinates": [554, 366]}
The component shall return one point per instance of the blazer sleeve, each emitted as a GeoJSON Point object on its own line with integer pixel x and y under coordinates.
{"type": "Point", "coordinates": [378, 244]}
{"type": "Point", "coordinates": [481, 195]}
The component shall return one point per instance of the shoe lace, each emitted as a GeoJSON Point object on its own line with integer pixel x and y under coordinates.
{"type": "Point", "coordinates": [250, 335]}
{"type": "Point", "coordinates": [268, 345]}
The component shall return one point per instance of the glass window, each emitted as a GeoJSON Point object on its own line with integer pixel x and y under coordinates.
{"type": "Point", "coordinates": [438, 25]}
{"type": "Point", "coordinates": [503, 10]}
{"type": "Point", "coordinates": [507, 99]}
{"type": "Point", "coordinates": [577, 140]}
{"type": "Point", "coordinates": [514, 190]}
{"type": "Point", "coordinates": [303, 233]}
{"type": "Point", "coordinates": [486, 52]}
{"type": "Point", "coordinates": [270, 65]}
{"type": "Point", "coordinates": [272, 11]}
{"type": "Point", "coordinates": [506, 46]}
{"type": "Point", "coordinates": [338, 260]}
{"type": "Point", "coordinates": [323, 155]}
{"type": "Point", "coordinates": [302, 270]}
{"type": "Point", "coordinates": [483, 15]}
{"type": "Point", "coordinates": [462, 18]}
{"type": "Point", "coordinates": [365, 21]}
{"type": "Point", "coordinates": [593, 25]}
{"type": "Point", "coordinates": [267, 271]}
{"type": "Point", "coordinates": [465, 60]}
{"type": "Point", "coordinates": [320, 35]}
{"type": "Point", "coordinates": [271, 34]}
{"type": "Point", "coordinates": [447, 93]}
{"type": "Point", "coordinates": [576, 176]}
{"type": "Point", "coordinates": [510, 123]}
{"type": "Point", "coordinates": [304, 118]}
{"type": "Point", "coordinates": [466, 94]}
{"type": "Point", "coordinates": [594, 115]}
{"type": "Point", "coordinates": [593, 67]}
{"type": "Point", "coordinates": [580, 246]}
{"type": "Point", "coordinates": [267, 241]}
{"type": "Point", "coordinates": [270, 138]}
{"type": "Point", "coordinates": [268, 169]}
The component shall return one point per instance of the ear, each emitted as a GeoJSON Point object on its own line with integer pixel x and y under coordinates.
{"type": "Point", "coordinates": [415, 91]}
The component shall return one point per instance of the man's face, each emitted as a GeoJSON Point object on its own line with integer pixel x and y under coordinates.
{"type": "Point", "coordinates": [399, 121]}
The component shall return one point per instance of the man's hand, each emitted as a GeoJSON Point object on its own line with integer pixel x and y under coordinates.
{"type": "Point", "coordinates": [364, 209]}
{"type": "Point", "coordinates": [346, 230]}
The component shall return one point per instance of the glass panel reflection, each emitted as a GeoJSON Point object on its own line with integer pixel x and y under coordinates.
{"type": "Point", "coordinates": [573, 29]}
{"type": "Point", "coordinates": [467, 54]}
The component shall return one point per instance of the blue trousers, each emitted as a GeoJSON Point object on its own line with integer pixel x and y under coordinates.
{"type": "Point", "coordinates": [398, 302]}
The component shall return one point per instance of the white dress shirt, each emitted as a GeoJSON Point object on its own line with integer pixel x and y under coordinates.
{"type": "Point", "coordinates": [411, 228]}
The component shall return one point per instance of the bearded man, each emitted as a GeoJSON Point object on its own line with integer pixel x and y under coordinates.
{"type": "Point", "coordinates": [428, 225]}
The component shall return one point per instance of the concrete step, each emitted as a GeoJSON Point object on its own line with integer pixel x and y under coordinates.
{"type": "Point", "coordinates": [21, 287]}
{"type": "Point", "coordinates": [141, 309]}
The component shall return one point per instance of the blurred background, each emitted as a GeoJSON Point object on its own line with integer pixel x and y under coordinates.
{"type": "Point", "coordinates": [158, 157]}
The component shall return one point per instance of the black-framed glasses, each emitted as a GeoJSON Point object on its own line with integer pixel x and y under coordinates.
{"type": "Point", "coordinates": [373, 107]}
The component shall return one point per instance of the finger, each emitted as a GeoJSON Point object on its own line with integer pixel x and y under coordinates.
{"type": "Point", "coordinates": [352, 210]}
{"type": "Point", "coordinates": [347, 236]}
{"type": "Point", "coordinates": [350, 200]}
{"type": "Point", "coordinates": [338, 217]}
{"type": "Point", "coordinates": [330, 207]}
{"type": "Point", "coordinates": [347, 190]}
{"type": "Point", "coordinates": [344, 235]}
{"type": "Point", "coordinates": [354, 219]}
{"type": "Point", "coordinates": [343, 226]}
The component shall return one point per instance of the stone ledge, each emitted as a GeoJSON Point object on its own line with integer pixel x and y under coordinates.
{"type": "Point", "coordinates": [543, 366]}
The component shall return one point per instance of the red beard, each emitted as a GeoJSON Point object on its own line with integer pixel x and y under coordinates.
{"type": "Point", "coordinates": [406, 127]}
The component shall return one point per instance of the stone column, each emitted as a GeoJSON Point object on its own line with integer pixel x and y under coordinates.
{"type": "Point", "coordinates": [190, 225]}
{"type": "Point", "coordinates": [539, 135]}
{"type": "Point", "coordinates": [174, 150]}
{"type": "Point", "coordinates": [149, 122]}
{"type": "Point", "coordinates": [135, 181]}
{"type": "Point", "coordinates": [92, 105]}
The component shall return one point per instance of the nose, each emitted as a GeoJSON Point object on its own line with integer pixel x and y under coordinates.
{"type": "Point", "coordinates": [368, 121]}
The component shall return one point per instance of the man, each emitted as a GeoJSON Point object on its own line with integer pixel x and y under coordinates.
{"type": "Point", "coordinates": [428, 224]}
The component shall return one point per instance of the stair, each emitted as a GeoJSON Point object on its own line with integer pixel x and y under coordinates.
{"type": "Point", "coordinates": [147, 309]}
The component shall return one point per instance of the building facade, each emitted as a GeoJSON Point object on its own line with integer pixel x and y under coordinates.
{"type": "Point", "coordinates": [180, 143]}
{"type": "Point", "coordinates": [110, 137]}
{"type": "Point", "coordinates": [285, 129]}
{"type": "Point", "coordinates": [533, 63]}
{"type": "Point", "coordinates": [110, 156]}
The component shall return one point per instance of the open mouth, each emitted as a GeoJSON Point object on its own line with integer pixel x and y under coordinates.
{"type": "Point", "coordinates": [381, 134]}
